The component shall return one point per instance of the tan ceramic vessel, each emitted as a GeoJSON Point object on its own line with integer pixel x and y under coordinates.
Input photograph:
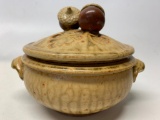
{"type": "Point", "coordinates": [73, 91]}
{"type": "Point", "coordinates": [76, 72]}
{"type": "Point", "coordinates": [78, 88]}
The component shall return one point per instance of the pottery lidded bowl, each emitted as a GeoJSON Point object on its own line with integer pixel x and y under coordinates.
{"type": "Point", "coordinates": [78, 71]}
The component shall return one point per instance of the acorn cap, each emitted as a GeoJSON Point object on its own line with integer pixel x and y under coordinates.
{"type": "Point", "coordinates": [93, 4]}
{"type": "Point", "coordinates": [68, 18]}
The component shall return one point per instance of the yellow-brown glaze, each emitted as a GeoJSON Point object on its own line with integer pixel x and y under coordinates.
{"type": "Point", "coordinates": [77, 94]}
{"type": "Point", "coordinates": [78, 72]}
{"type": "Point", "coordinates": [78, 46]}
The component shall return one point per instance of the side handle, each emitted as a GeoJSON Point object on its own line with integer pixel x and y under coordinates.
{"type": "Point", "coordinates": [18, 65]}
{"type": "Point", "coordinates": [139, 67]}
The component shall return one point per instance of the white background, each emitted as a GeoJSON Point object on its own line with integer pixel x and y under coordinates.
{"type": "Point", "coordinates": [135, 22]}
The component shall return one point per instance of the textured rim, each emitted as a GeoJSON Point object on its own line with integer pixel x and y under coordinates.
{"type": "Point", "coordinates": [79, 69]}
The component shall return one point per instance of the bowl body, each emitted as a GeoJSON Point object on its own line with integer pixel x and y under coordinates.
{"type": "Point", "coordinates": [77, 90]}
{"type": "Point", "coordinates": [74, 94]}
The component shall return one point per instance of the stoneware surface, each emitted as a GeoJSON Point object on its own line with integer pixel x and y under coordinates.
{"type": "Point", "coordinates": [78, 46]}
{"type": "Point", "coordinates": [78, 71]}
{"type": "Point", "coordinates": [77, 90]}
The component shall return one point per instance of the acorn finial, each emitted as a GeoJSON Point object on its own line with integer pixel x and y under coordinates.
{"type": "Point", "coordinates": [92, 18]}
{"type": "Point", "coordinates": [68, 18]}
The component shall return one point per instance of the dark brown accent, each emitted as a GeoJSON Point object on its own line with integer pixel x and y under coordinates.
{"type": "Point", "coordinates": [92, 19]}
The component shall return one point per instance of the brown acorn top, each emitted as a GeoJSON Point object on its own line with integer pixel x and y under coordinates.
{"type": "Point", "coordinates": [92, 18]}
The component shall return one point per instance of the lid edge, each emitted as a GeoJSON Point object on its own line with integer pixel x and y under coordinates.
{"type": "Point", "coordinates": [62, 69]}
{"type": "Point", "coordinates": [73, 57]}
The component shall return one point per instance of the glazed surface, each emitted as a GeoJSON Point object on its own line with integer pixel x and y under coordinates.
{"type": "Point", "coordinates": [78, 46]}
{"type": "Point", "coordinates": [80, 69]}
{"type": "Point", "coordinates": [77, 94]}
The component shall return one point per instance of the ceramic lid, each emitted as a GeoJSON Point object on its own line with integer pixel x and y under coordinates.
{"type": "Point", "coordinates": [79, 45]}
